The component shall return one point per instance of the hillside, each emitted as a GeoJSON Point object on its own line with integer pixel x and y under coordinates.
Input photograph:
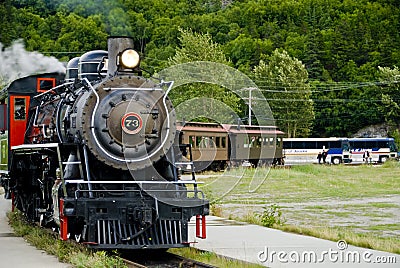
{"type": "Point", "coordinates": [341, 44]}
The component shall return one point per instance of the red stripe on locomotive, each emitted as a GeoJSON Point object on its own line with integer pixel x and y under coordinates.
{"type": "Point", "coordinates": [19, 107]}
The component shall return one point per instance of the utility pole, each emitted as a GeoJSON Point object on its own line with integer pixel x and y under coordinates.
{"type": "Point", "coordinates": [250, 89]}
{"type": "Point", "coordinates": [250, 98]}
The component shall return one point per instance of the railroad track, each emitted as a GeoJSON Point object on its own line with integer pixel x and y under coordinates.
{"type": "Point", "coordinates": [161, 260]}
{"type": "Point", "coordinates": [142, 258]}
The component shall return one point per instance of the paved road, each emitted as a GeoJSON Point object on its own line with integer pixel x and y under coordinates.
{"type": "Point", "coordinates": [274, 248]}
{"type": "Point", "coordinates": [15, 252]}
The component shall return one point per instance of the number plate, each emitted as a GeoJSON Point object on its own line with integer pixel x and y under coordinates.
{"type": "Point", "coordinates": [131, 123]}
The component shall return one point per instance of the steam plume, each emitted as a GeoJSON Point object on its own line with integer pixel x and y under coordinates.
{"type": "Point", "coordinates": [16, 62]}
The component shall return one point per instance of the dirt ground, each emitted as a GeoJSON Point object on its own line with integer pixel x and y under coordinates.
{"type": "Point", "coordinates": [379, 215]}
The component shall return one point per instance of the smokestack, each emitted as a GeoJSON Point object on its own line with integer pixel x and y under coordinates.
{"type": "Point", "coordinates": [116, 45]}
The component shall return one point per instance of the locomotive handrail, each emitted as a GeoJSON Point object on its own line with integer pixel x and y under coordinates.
{"type": "Point", "coordinates": [137, 190]}
{"type": "Point", "coordinates": [90, 87]}
{"type": "Point", "coordinates": [88, 177]}
{"type": "Point", "coordinates": [184, 163]}
{"type": "Point", "coordinates": [72, 163]}
{"type": "Point", "coordinates": [52, 89]}
{"type": "Point", "coordinates": [135, 88]}
{"type": "Point", "coordinates": [35, 146]}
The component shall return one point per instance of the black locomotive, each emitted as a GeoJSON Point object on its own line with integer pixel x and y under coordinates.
{"type": "Point", "coordinates": [95, 154]}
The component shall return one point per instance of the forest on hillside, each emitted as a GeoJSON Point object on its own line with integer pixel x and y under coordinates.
{"type": "Point", "coordinates": [326, 67]}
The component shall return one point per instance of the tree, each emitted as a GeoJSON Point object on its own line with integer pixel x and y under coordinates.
{"type": "Point", "coordinates": [197, 47]}
{"type": "Point", "coordinates": [284, 81]}
{"type": "Point", "coordinates": [390, 79]}
{"type": "Point", "coordinates": [245, 51]}
{"type": "Point", "coordinates": [8, 32]}
{"type": "Point", "coordinates": [82, 34]}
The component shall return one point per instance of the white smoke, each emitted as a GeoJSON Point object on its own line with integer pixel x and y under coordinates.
{"type": "Point", "coordinates": [16, 62]}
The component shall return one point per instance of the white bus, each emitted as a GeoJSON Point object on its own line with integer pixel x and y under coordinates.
{"type": "Point", "coordinates": [306, 150]}
{"type": "Point", "coordinates": [379, 149]}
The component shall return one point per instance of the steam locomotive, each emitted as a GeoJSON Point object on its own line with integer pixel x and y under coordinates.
{"type": "Point", "coordinates": [94, 153]}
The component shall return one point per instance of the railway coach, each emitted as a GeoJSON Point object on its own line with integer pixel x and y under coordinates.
{"type": "Point", "coordinates": [216, 146]}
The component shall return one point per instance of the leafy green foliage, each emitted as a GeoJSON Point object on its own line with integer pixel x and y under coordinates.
{"type": "Point", "coordinates": [390, 94]}
{"type": "Point", "coordinates": [271, 216]}
{"type": "Point", "coordinates": [284, 81]}
{"type": "Point", "coordinates": [211, 97]}
{"type": "Point", "coordinates": [341, 43]}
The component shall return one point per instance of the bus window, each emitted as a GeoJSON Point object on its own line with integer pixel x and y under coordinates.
{"type": "Point", "coordinates": [345, 146]}
{"type": "Point", "coordinates": [335, 144]}
{"type": "Point", "coordinates": [311, 145]}
{"type": "Point", "coordinates": [322, 145]}
{"type": "Point", "coordinates": [298, 145]}
{"type": "Point", "coordinates": [271, 141]}
{"type": "Point", "coordinates": [218, 142]}
{"type": "Point", "coordinates": [383, 144]}
{"type": "Point", "coordinates": [358, 144]}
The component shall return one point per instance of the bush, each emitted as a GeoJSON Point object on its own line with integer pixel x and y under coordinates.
{"type": "Point", "coordinates": [271, 216]}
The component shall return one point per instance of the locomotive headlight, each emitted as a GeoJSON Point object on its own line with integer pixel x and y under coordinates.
{"type": "Point", "coordinates": [130, 58]}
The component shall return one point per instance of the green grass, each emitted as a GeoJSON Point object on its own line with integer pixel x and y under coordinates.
{"type": "Point", "coordinates": [384, 205]}
{"type": "Point", "coordinates": [306, 182]}
{"type": "Point", "coordinates": [83, 257]}
{"type": "Point", "coordinates": [314, 207]}
{"type": "Point", "coordinates": [67, 252]}
{"type": "Point", "coordinates": [386, 227]}
{"type": "Point", "coordinates": [389, 244]}
{"type": "Point", "coordinates": [358, 202]}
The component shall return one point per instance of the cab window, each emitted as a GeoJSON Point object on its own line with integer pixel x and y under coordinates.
{"type": "Point", "coordinates": [19, 109]}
